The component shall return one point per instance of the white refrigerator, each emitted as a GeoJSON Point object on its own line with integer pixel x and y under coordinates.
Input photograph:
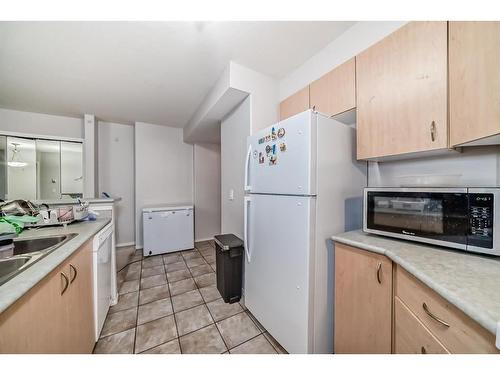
{"type": "Point", "coordinates": [303, 184]}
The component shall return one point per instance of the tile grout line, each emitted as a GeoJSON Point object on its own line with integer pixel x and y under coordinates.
{"type": "Point", "coordinates": [137, 316]}
{"type": "Point", "coordinates": [251, 338]}
{"type": "Point", "coordinates": [206, 306]}
{"type": "Point", "coordinates": [165, 265]}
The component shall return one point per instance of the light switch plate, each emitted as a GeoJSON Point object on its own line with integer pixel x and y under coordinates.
{"type": "Point", "coordinates": [231, 194]}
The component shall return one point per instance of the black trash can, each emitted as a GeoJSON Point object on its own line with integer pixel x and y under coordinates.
{"type": "Point", "coordinates": [229, 263]}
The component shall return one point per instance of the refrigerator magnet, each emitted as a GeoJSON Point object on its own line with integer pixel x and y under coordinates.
{"type": "Point", "coordinates": [273, 160]}
{"type": "Point", "coordinates": [268, 149]}
{"type": "Point", "coordinates": [255, 154]}
{"type": "Point", "coordinates": [273, 134]}
{"type": "Point", "coordinates": [282, 146]}
{"type": "Point", "coordinates": [261, 140]}
{"type": "Point", "coordinates": [281, 132]}
{"type": "Point", "coordinates": [274, 149]}
{"type": "Point", "coordinates": [261, 158]}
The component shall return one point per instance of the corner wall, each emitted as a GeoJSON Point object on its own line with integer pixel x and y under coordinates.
{"type": "Point", "coordinates": [235, 128]}
{"type": "Point", "coordinates": [207, 185]}
{"type": "Point", "coordinates": [163, 169]}
{"type": "Point", "coordinates": [116, 175]}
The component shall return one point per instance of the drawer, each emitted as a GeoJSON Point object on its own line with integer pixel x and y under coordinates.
{"type": "Point", "coordinates": [457, 332]}
{"type": "Point", "coordinates": [411, 336]}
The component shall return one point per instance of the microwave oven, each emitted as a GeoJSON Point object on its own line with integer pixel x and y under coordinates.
{"type": "Point", "coordinates": [461, 218]}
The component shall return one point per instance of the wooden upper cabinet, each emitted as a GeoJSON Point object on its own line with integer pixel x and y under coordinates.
{"type": "Point", "coordinates": [363, 301]}
{"type": "Point", "coordinates": [474, 81]}
{"type": "Point", "coordinates": [335, 92]}
{"type": "Point", "coordinates": [401, 88]}
{"type": "Point", "coordinates": [296, 103]}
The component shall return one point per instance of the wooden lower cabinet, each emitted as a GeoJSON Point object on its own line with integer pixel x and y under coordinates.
{"type": "Point", "coordinates": [456, 331]}
{"type": "Point", "coordinates": [411, 336]}
{"type": "Point", "coordinates": [53, 318]}
{"type": "Point", "coordinates": [81, 335]}
{"type": "Point", "coordinates": [363, 301]}
{"type": "Point", "coordinates": [391, 311]}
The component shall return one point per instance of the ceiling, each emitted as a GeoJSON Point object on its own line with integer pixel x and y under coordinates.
{"type": "Point", "coordinates": [157, 72]}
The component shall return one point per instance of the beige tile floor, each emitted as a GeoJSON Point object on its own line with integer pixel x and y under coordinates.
{"type": "Point", "coordinates": [170, 304]}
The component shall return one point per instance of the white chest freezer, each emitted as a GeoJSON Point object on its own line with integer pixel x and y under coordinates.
{"type": "Point", "coordinates": [167, 228]}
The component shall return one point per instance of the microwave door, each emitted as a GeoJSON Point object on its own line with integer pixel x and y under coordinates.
{"type": "Point", "coordinates": [436, 218]}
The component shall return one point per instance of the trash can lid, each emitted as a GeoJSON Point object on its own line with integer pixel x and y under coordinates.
{"type": "Point", "coordinates": [228, 241]}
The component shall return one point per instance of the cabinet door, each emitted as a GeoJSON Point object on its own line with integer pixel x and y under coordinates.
{"type": "Point", "coordinates": [402, 92]}
{"type": "Point", "coordinates": [363, 301]}
{"type": "Point", "coordinates": [474, 81]}
{"type": "Point", "coordinates": [36, 323]}
{"type": "Point", "coordinates": [80, 302]}
{"type": "Point", "coordinates": [335, 92]}
{"type": "Point", "coordinates": [295, 103]}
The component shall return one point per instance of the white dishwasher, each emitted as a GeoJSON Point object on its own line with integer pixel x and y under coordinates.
{"type": "Point", "coordinates": [104, 276]}
{"type": "Point", "coordinates": [167, 228]}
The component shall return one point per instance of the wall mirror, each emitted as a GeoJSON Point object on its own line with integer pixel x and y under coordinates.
{"type": "Point", "coordinates": [40, 169]}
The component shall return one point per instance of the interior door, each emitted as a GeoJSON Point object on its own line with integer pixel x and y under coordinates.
{"type": "Point", "coordinates": [277, 269]}
{"type": "Point", "coordinates": [281, 158]}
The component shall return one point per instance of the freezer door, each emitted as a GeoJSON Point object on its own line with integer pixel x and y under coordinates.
{"type": "Point", "coordinates": [277, 268]}
{"type": "Point", "coordinates": [167, 231]}
{"type": "Point", "coordinates": [281, 158]}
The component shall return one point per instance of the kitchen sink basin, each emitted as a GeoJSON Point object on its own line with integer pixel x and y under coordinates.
{"type": "Point", "coordinates": [28, 251]}
{"type": "Point", "coordinates": [33, 245]}
{"type": "Point", "coordinates": [9, 267]}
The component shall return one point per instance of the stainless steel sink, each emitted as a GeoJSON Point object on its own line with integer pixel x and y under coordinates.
{"type": "Point", "coordinates": [9, 267]}
{"type": "Point", "coordinates": [28, 251]}
{"type": "Point", "coordinates": [33, 245]}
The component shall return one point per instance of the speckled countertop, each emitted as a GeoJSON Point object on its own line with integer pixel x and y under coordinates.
{"type": "Point", "coordinates": [16, 287]}
{"type": "Point", "coordinates": [470, 282]}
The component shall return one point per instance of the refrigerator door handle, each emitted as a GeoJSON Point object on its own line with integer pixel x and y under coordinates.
{"type": "Point", "coordinates": [245, 229]}
{"type": "Point", "coordinates": [247, 168]}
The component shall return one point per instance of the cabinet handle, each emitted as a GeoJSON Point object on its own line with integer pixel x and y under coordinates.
{"type": "Point", "coordinates": [379, 270]}
{"type": "Point", "coordinates": [72, 267]}
{"type": "Point", "coordinates": [423, 351]}
{"type": "Point", "coordinates": [426, 309]}
{"type": "Point", "coordinates": [66, 283]}
{"type": "Point", "coordinates": [433, 131]}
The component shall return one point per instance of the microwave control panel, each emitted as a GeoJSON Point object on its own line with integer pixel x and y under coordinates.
{"type": "Point", "coordinates": [481, 220]}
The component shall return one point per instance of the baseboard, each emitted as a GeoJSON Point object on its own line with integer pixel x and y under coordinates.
{"type": "Point", "coordinates": [125, 244]}
{"type": "Point", "coordinates": [204, 239]}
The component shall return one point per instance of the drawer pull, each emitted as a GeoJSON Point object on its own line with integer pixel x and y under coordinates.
{"type": "Point", "coordinates": [66, 283]}
{"type": "Point", "coordinates": [426, 309]}
{"type": "Point", "coordinates": [379, 269]}
{"type": "Point", "coordinates": [72, 267]}
{"type": "Point", "coordinates": [423, 351]}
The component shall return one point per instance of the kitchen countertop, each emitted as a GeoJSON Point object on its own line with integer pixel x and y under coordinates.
{"type": "Point", "coordinates": [75, 201]}
{"type": "Point", "coordinates": [16, 287]}
{"type": "Point", "coordinates": [470, 282]}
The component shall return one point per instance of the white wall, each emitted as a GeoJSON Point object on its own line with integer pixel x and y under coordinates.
{"type": "Point", "coordinates": [163, 169]}
{"type": "Point", "coordinates": [207, 185]}
{"type": "Point", "coordinates": [354, 40]}
{"type": "Point", "coordinates": [263, 92]}
{"type": "Point", "coordinates": [235, 129]}
{"type": "Point", "coordinates": [116, 175]}
{"type": "Point", "coordinates": [40, 124]}
{"type": "Point", "coordinates": [475, 166]}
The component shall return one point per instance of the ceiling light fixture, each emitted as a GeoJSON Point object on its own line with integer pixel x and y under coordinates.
{"type": "Point", "coordinates": [16, 163]}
